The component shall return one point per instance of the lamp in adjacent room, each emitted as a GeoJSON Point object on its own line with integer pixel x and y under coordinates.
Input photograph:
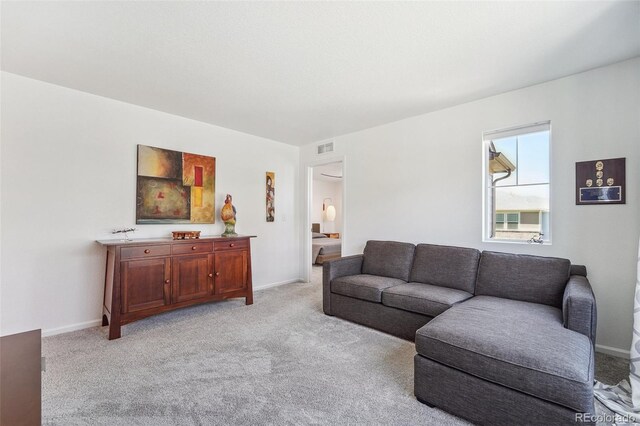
{"type": "Point", "coordinates": [331, 213]}
{"type": "Point", "coordinates": [329, 210]}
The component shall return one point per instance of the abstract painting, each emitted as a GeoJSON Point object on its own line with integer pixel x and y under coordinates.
{"type": "Point", "coordinates": [174, 187]}
{"type": "Point", "coordinates": [271, 194]}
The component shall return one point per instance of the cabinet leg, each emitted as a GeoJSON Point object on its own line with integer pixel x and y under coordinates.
{"type": "Point", "coordinates": [114, 331]}
{"type": "Point", "coordinates": [249, 299]}
{"type": "Point", "coordinates": [105, 320]}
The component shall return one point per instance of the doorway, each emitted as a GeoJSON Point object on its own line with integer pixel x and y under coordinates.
{"type": "Point", "coordinates": [325, 224]}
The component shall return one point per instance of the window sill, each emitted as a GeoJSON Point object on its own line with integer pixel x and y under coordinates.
{"type": "Point", "coordinates": [520, 242]}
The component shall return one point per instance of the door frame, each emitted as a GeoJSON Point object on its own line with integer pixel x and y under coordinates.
{"type": "Point", "coordinates": [306, 261]}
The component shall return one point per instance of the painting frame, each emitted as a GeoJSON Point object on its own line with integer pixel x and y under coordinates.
{"type": "Point", "coordinates": [601, 182]}
{"type": "Point", "coordinates": [270, 183]}
{"type": "Point", "coordinates": [174, 187]}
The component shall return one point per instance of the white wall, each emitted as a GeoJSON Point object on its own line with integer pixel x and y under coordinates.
{"type": "Point", "coordinates": [68, 178]}
{"type": "Point", "coordinates": [324, 189]}
{"type": "Point", "coordinates": [420, 179]}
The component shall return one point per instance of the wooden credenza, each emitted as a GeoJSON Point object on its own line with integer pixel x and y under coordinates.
{"type": "Point", "coordinates": [146, 277]}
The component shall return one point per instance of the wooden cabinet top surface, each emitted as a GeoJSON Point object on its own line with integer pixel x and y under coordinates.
{"type": "Point", "coordinates": [169, 240]}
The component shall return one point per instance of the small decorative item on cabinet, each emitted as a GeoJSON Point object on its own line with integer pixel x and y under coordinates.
{"type": "Point", "coordinates": [124, 231]}
{"type": "Point", "coordinates": [228, 215]}
{"type": "Point", "coordinates": [185, 235]}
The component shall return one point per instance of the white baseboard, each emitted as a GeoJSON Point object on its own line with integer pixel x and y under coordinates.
{"type": "Point", "coordinates": [621, 353]}
{"type": "Point", "coordinates": [270, 285]}
{"type": "Point", "coordinates": [72, 327]}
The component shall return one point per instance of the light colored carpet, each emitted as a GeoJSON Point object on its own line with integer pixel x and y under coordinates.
{"type": "Point", "coordinates": [279, 361]}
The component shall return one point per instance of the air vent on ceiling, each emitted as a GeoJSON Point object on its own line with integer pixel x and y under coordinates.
{"type": "Point", "coordinates": [325, 148]}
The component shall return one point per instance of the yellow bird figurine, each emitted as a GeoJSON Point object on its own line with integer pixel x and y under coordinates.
{"type": "Point", "coordinates": [228, 215]}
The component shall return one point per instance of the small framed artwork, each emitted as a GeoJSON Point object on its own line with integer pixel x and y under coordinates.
{"type": "Point", "coordinates": [271, 195]}
{"type": "Point", "coordinates": [600, 182]}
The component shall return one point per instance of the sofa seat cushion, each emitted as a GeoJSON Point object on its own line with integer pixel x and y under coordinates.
{"type": "Point", "coordinates": [423, 298]}
{"type": "Point", "coordinates": [520, 345]}
{"type": "Point", "coordinates": [363, 286]}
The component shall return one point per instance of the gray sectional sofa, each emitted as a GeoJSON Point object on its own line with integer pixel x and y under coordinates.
{"type": "Point", "coordinates": [501, 338]}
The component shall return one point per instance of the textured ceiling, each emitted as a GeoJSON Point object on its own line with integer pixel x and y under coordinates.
{"type": "Point", "coordinates": [299, 72]}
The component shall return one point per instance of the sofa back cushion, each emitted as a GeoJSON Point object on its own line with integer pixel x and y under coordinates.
{"type": "Point", "coordinates": [528, 278]}
{"type": "Point", "coordinates": [388, 259]}
{"type": "Point", "coordinates": [445, 266]}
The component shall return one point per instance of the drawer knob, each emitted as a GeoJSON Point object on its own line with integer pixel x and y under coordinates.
{"type": "Point", "coordinates": [211, 275]}
{"type": "Point", "coordinates": [166, 281]}
{"type": "Point", "coordinates": [147, 251]}
{"type": "Point", "coordinates": [193, 248]}
{"type": "Point", "coordinates": [217, 274]}
{"type": "Point", "coordinates": [232, 245]}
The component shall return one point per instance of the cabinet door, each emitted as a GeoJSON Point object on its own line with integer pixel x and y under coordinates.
{"type": "Point", "coordinates": [231, 271]}
{"type": "Point", "coordinates": [145, 284]}
{"type": "Point", "coordinates": [192, 277]}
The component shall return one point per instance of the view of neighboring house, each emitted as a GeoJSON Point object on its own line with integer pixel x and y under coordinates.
{"type": "Point", "coordinates": [520, 217]}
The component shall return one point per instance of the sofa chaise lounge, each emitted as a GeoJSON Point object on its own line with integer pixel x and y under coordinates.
{"type": "Point", "coordinates": [500, 338]}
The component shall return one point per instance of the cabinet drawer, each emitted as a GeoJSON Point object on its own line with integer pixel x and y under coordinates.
{"type": "Point", "coordinates": [192, 248]}
{"type": "Point", "coordinates": [231, 245]}
{"type": "Point", "coordinates": [144, 251]}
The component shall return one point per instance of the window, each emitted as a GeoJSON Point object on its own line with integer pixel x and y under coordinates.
{"type": "Point", "coordinates": [513, 219]}
{"type": "Point", "coordinates": [516, 176]}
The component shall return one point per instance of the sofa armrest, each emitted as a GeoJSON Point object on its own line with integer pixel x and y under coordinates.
{"type": "Point", "coordinates": [332, 269]}
{"type": "Point", "coordinates": [579, 307]}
